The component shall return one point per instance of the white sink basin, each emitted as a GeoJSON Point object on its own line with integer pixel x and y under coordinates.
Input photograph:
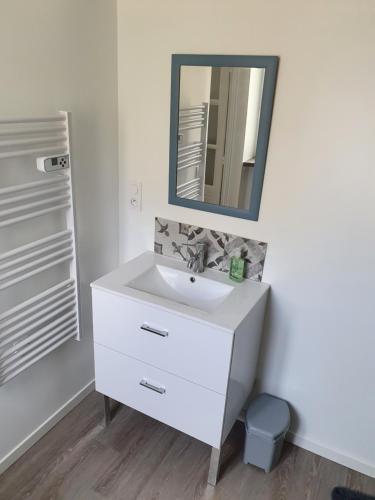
{"type": "Point", "coordinates": [166, 283]}
{"type": "Point", "coordinates": [182, 287]}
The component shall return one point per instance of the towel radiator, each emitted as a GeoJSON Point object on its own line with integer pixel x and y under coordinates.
{"type": "Point", "coordinates": [191, 156]}
{"type": "Point", "coordinates": [48, 316]}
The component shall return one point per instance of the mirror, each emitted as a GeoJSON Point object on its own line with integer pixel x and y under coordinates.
{"type": "Point", "coordinates": [220, 121]}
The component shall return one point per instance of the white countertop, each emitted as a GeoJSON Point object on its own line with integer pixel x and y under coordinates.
{"type": "Point", "coordinates": [228, 316]}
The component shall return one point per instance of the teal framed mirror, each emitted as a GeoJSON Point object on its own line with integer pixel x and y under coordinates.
{"type": "Point", "coordinates": [221, 111]}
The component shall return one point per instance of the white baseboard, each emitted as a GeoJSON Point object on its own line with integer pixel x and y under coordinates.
{"type": "Point", "coordinates": [331, 454]}
{"type": "Point", "coordinates": [34, 436]}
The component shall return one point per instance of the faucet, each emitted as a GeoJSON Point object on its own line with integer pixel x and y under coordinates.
{"type": "Point", "coordinates": [196, 263]}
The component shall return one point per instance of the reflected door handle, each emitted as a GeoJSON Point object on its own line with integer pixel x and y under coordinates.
{"type": "Point", "coordinates": [144, 383]}
{"type": "Point", "coordinates": [161, 333]}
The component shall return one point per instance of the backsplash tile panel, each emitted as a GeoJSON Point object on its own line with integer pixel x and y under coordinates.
{"type": "Point", "coordinates": [171, 238]}
{"type": "Point", "coordinates": [178, 240]}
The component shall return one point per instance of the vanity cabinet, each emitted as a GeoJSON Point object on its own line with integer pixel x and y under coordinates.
{"type": "Point", "coordinates": [189, 366]}
{"type": "Point", "coordinates": [192, 376]}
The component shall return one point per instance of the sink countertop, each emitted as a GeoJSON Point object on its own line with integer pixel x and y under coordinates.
{"type": "Point", "coordinates": [227, 316]}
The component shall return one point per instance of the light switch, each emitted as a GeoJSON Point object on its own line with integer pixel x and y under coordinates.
{"type": "Point", "coordinates": [135, 195]}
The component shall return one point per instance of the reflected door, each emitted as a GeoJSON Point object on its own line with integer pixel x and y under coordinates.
{"type": "Point", "coordinates": [217, 123]}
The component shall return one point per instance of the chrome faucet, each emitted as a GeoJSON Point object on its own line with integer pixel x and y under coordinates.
{"type": "Point", "coordinates": [196, 263]}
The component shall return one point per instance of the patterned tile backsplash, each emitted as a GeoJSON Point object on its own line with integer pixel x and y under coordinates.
{"type": "Point", "coordinates": [177, 240]}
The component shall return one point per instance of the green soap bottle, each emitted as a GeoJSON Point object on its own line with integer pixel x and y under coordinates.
{"type": "Point", "coordinates": [237, 268]}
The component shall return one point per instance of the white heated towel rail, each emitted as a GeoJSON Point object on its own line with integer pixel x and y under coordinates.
{"type": "Point", "coordinates": [33, 328]}
{"type": "Point", "coordinates": [191, 157]}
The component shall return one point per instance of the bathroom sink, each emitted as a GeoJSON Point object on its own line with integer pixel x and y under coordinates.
{"type": "Point", "coordinates": [165, 283]}
{"type": "Point", "coordinates": [182, 287]}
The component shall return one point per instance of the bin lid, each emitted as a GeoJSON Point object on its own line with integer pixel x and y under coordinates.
{"type": "Point", "coordinates": [267, 416]}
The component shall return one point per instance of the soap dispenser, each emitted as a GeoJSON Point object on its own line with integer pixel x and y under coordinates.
{"type": "Point", "coordinates": [237, 267]}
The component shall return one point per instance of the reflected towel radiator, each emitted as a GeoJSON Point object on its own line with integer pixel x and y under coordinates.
{"type": "Point", "coordinates": [191, 156]}
{"type": "Point", "coordinates": [32, 328]}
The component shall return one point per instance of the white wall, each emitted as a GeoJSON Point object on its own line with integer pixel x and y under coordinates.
{"type": "Point", "coordinates": [318, 205]}
{"type": "Point", "coordinates": [61, 54]}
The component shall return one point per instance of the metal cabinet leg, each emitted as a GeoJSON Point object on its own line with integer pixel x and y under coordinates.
{"type": "Point", "coordinates": [107, 410]}
{"type": "Point", "coordinates": [213, 473]}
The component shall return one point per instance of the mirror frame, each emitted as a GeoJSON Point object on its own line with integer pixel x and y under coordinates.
{"type": "Point", "coordinates": [270, 64]}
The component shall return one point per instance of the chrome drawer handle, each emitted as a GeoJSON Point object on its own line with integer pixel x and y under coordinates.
{"type": "Point", "coordinates": [161, 333]}
{"type": "Point", "coordinates": [144, 383]}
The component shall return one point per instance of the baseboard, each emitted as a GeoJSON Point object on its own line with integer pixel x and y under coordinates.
{"type": "Point", "coordinates": [331, 454]}
{"type": "Point", "coordinates": [34, 436]}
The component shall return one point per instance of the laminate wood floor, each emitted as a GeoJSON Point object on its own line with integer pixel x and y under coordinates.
{"type": "Point", "coordinates": [138, 458]}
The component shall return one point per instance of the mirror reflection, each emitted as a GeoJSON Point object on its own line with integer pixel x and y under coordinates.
{"type": "Point", "coordinates": [219, 109]}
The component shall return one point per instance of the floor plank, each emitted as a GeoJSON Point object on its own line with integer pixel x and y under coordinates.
{"type": "Point", "coordinates": [138, 458]}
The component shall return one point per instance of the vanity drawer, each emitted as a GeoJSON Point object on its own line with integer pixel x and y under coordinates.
{"type": "Point", "coordinates": [181, 404]}
{"type": "Point", "coordinates": [187, 348]}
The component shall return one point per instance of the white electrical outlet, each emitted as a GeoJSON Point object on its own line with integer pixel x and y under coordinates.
{"type": "Point", "coordinates": [52, 163]}
{"type": "Point", "coordinates": [135, 195]}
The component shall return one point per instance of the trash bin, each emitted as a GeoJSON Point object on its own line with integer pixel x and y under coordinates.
{"type": "Point", "coordinates": [267, 422]}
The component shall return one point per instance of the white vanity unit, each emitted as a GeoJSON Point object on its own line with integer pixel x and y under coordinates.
{"type": "Point", "coordinates": [179, 347]}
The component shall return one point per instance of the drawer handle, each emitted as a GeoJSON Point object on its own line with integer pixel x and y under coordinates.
{"type": "Point", "coordinates": [144, 383]}
{"type": "Point", "coordinates": [161, 333]}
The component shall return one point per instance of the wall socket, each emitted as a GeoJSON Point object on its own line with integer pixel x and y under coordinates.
{"type": "Point", "coordinates": [135, 195]}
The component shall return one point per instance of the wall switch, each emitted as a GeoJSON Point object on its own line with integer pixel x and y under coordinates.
{"type": "Point", "coordinates": [135, 195]}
